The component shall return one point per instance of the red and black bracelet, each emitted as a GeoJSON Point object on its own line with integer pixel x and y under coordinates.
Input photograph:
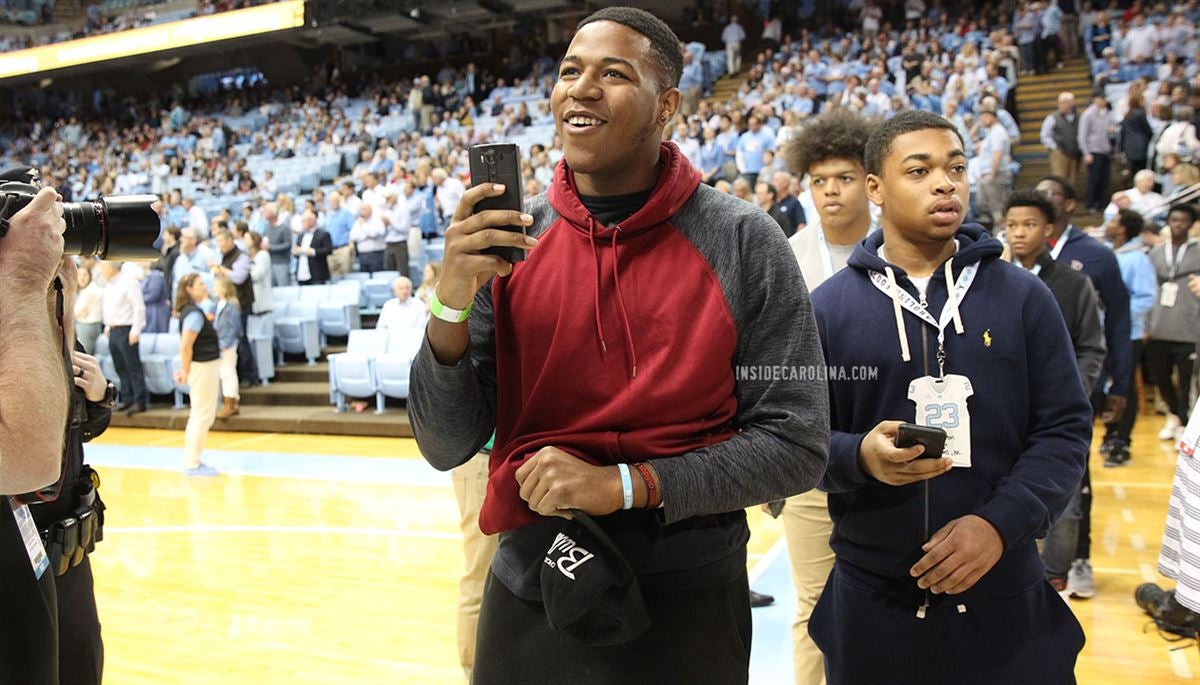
{"type": "Point", "coordinates": [652, 498]}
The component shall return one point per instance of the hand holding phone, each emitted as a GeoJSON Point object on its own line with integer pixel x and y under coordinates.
{"type": "Point", "coordinates": [880, 457]}
{"type": "Point", "coordinates": [932, 439]}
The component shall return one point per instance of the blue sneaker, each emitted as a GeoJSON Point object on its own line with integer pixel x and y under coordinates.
{"type": "Point", "coordinates": [203, 470]}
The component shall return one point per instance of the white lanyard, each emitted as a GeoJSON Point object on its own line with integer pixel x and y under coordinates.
{"type": "Point", "coordinates": [823, 247]}
{"type": "Point", "coordinates": [965, 278]}
{"type": "Point", "coordinates": [1173, 260]}
{"type": "Point", "coordinates": [1058, 246]}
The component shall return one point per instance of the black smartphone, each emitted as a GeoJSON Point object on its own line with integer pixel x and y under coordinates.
{"type": "Point", "coordinates": [934, 439]}
{"type": "Point", "coordinates": [499, 163]}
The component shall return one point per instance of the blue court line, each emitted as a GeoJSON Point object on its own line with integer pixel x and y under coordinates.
{"type": "Point", "coordinates": [410, 472]}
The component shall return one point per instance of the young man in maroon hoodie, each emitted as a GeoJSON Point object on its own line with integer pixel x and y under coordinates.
{"type": "Point", "coordinates": [658, 329]}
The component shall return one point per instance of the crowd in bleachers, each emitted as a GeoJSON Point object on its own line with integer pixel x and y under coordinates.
{"type": "Point", "coordinates": [105, 16]}
{"type": "Point", "coordinates": [345, 178]}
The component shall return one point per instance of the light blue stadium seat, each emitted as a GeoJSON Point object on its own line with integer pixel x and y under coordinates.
{"type": "Point", "coordinates": [260, 330]}
{"type": "Point", "coordinates": [285, 293]}
{"type": "Point", "coordinates": [339, 313]}
{"type": "Point", "coordinates": [160, 362]}
{"type": "Point", "coordinates": [352, 373]}
{"type": "Point", "coordinates": [296, 329]}
{"type": "Point", "coordinates": [377, 292]}
{"type": "Point", "coordinates": [392, 368]}
{"type": "Point", "coordinates": [104, 356]}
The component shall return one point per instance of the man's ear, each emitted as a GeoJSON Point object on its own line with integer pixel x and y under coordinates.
{"type": "Point", "coordinates": [668, 105]}
{"type": "Point", "coordinates": [875, 190]}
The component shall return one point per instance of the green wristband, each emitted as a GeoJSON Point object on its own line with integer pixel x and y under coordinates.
{"type": "Point", "coordinates": [448, 314]}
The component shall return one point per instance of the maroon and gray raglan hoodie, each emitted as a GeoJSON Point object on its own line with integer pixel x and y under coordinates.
{"type": "Point", "coordinates": [684, 335]}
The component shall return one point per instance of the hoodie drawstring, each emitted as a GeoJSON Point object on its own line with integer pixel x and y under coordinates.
{"type": "Point", "coordinates": [621, 303]}
{"type": "Point", "coordinates": [952, 301]}
{"type": "Point", "coordinates": [620, 295]}
{"type": "Point", "coordinates": [596, 300]}
{"type": "Point", "coordinates": [900, 330]}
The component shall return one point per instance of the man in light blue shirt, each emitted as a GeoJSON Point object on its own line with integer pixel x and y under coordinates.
{"type": "Point", "coordinates": [750, 148]}
{"type": "Point", "coordinates": [691, 81]}
{"type": "Point", "coordinates": [1141, 280]}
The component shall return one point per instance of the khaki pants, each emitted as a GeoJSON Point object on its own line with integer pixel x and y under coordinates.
{"type": "Point", "coordinates": [689, 101]}
{"type": "Point", "coordinates": [203, 380]}
{"type": "Point", "coordinates": [1065, 166]}
{"type": "Point", "coordinates": [228, 374]}
{"type": "Point", "coordinates": [807, 525]}
{"type": "Point", "coordinates": [341, 261]}
{"type": "Point", "coordinates": [992, 196]}
{"type": "Point", "coordinates": [470, 485]}
{"type": "Point", "coordinates": [733, 58]}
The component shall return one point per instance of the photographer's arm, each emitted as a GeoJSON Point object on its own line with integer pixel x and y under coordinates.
{"type": "Point", "coordinates": [31, 348]}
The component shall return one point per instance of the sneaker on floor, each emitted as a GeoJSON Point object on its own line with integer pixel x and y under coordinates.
{"type": "Point", "coordinates": [1106, 448]}
{"type": "Point", "coordinates": [1117, 456]}
{"type": "Point", "coordinates": [1080, 583]}
{"type": "Point", "coordinates": [1169, 427]}
{"type": "Point", "coordinates": [203, 470]}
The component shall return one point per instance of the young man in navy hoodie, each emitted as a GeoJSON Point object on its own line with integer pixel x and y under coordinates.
{"type": "Point", "coordinates": [937, 577]}
{"type": "Point", "coordinates": [658, 324]}
{"type": "Point", "coordinates": [1084, 253]}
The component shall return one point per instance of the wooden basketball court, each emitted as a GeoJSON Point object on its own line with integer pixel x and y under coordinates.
{"type": "Point", "coordinates": [336, 559]}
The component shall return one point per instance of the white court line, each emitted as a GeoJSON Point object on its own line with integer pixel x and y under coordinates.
{"type": "Point", "coordinates": [1119, 492]}
{"type": "Point", "coordinates": [761, 566]}
{"type": "Point", "coordinates": [1146, 484]}
{"type": "Point", "coordinates": [1147, 573]}
{"type": "Point", "coordinates": [1138, 543]}
{"type": "Point", "coordinates": [1127, 514]}
{"type": "Point", "coordinates": [307, 530]}
{"type": "Point", "coordinates": [1114, 571]}
{"type": "Point", "coordinates": [1180, 663]}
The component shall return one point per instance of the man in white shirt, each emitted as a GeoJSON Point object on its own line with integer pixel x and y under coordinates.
{"type": "Point", "coordinates": [449, 191]}
{"type": "Point", "coordinates": [689, 146]}
{"type": "Point", "coordinates": [1139, 40]}
{"type": "Point", "coordinates": [124, 313]}
{"type": "Point", "coordinates": [403, 316]}
{"type": "Point", "coordinates": [397, 220]}
{"type": "Point", "coordinates": [372, 193]}
{"type": "Point", "coordinates": [732, 37]}
{"type": "Point", "coordinates": [367, 234]}
{"type": "Point", "coordinates": [197, 218]}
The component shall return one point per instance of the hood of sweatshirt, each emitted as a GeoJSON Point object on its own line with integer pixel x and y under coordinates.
{"type": "Point", "coordinates": [974, 245]}
{"type": "Point", "coordinates": [677, 182]}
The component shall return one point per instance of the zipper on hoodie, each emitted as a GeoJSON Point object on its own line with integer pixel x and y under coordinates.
{"type": "Point", "coordinates": [925, 360]}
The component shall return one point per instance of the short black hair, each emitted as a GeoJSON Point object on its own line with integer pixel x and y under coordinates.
{"type": "Point", "coordinates": [840, 134]}
{"type": "Point", "coordinates": [664, 44]}
{"type": "Point", "coordinates": [1131, 222]}
{"type": "Point", "coordinates": [1068, 188]}
{"type": "Point", "coordinates": [880, 142]}
{"type": "Point", "coordinates": [1188, 209]}
{"type": "Point", "coordinates": [1027, 197]}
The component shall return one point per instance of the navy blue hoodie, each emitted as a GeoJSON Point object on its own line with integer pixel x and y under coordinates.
{"type": "Point", "coordinates": [1031, 424]}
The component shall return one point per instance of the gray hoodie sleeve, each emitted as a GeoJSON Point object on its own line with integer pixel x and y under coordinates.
{"type": "Point", "coordinates": [452, 409]}
{"type": "Point", "coordinates": [782, 421]}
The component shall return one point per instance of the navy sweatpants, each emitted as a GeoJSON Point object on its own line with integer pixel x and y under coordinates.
{"type": "Point", "coordinates": [870, 637]}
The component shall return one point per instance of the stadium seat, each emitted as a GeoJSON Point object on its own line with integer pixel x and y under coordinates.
{"type": "Point", "coordinates": [339, 313]}
{"type": "Point", "coordinates": [352, 373]}
{"type": "Point", "coordinates": [392, 367]}
{"type": "Point", "coordinates": [376, 292]}
{"type": "Point", "coordinates": [296, 329]}
{"type": "Point", "coordinates": [260, 330]}
{"type": "Point", "coordinates": [104, 357]}
{"type": "Point", "coordinates": [285, 293]}
{"type": "Point", "coordinates": [160, 353]}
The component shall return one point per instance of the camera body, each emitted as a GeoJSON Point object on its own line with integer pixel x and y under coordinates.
{"type": "Point", "coordinates": [123, 227]}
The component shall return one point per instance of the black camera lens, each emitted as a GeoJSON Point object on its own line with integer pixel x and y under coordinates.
{"type": "Point", "coordinates": [123, 228]}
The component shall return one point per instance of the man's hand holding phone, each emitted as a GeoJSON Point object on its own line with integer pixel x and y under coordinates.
{"type": "Point", "coordinates": [879, 458]}
{"type": "Point", "coordinates": [465, 268]}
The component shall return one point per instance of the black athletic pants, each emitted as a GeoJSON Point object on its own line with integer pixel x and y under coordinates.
{"type": "Point", "coordinates": [1165, 358]}
{"type": "Point", "coordinates": [698, 636]}
{"type": "Point", "coordinates": [395, 257]}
